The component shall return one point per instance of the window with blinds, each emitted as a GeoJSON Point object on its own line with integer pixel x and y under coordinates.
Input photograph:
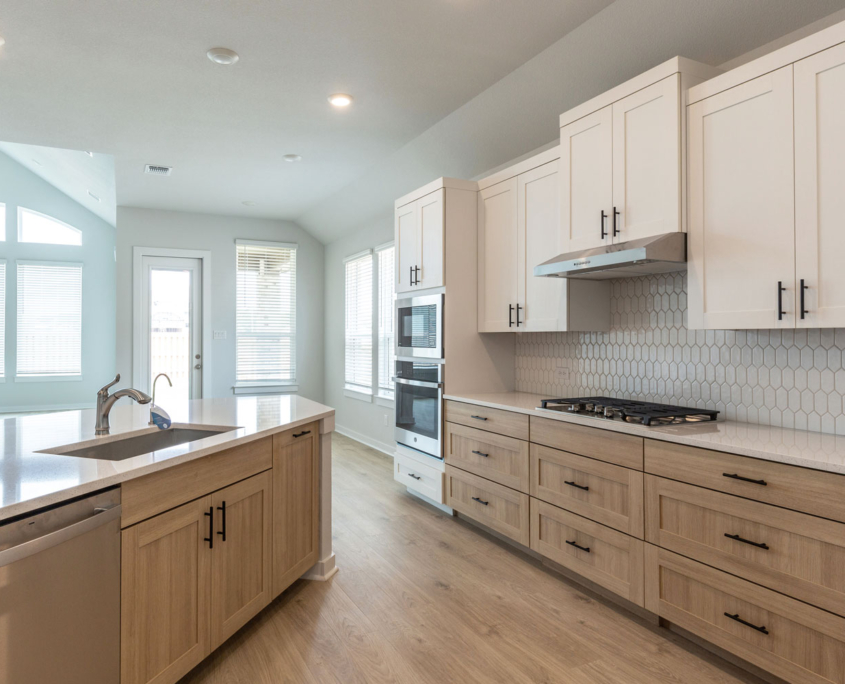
{"type": "Point", "coordinates": [266, 314]}
{"type": "Point", "coordinates": [49, 330]}
{"type": "Point", "coordinates": [2, 320]}
{"type": "Point", "coordinates": [386, 338]}
{"type": "Point", "coordinates": [358, 375]}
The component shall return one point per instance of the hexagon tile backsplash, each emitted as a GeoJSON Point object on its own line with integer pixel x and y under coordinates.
{"type": "Point", "coordinates": [788, 378]}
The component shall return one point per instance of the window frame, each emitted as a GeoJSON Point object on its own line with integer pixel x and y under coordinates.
{"type": "Point", "coordinates": [385, 397]}
{"type": "Point", "coordinates": [354, 390]}
{"type": "Point", "coordinates": [4, 290]}
{"type": "Point", "coordinates": [26, 210]}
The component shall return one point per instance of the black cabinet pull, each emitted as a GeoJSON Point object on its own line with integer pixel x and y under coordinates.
{"type": "Point", "coordinates": [804, 288]}
{"type": "Point", "coordinates": [223, 510]}
{"type": "Point", "coordinates": [578, 546]}
{"type": "Point", "coordinates": [734, 476]}
{"type": "Point", "coordinates": [210, 537]}
{"type": "Point", "coordinates": [416, 275]}
{"type": "Point", "coordinates": [300, 434]}
{"type": "Point", "coordinates": [738, 619]}
{"type": "Point", "coordinates": [518, 322]}
{"type": "Point", "coordinates": [478, 417]}
{"type": "Point", "coordinates": [481, 453]}
{"type": "Point", "coordinates": [572, 484]}
{"type": "Point", "coordinates": [736, 537]}
{"type": "Point", "coordinates": [486, 503]}
{"type": "Point", "coordinates": [781, 290]}
{"type": "Point", "coordinates": [616, 231]}
{"type": "Point", "coordinates": [411, 276]}
{"type": "Point", "coordinates": [416, 477]}
{"type": "Point", "coordinates": [603, 231]}
{"type": "Point", "coordinates": [510, 315]}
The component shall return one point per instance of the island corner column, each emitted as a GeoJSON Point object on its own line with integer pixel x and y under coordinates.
{"type": "Point", "coordinates": [325, 568]}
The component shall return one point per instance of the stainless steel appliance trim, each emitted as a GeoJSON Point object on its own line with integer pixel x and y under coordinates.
{"type": "Point", "coordinates": [421, 352]}
{"type": "Point", "coordinates": [52, 539]}
{"type": "Point", "coordinates": [418, 383]}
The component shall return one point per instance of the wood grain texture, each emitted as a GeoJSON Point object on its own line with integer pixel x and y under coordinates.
{"type": "Point", "coordinates": [500, 508]}
{"type": "Point", "coordinates": [614, 497]}
{"type": "Point", "coordinates": [803, 643]}
{"type": "Point", "coordinates": [613, 447]}
{"type": "Point", "coordinates": [805, 557]}
{"type": "Point", "coordinates": [422, 598]}
{"type": "Point", "coordinates": [501, 459]}
{"type": "Point", "coordinates": [296, 504]}
{"type": "Point", "coordinates": [801, 489]}
{"type": "Point", "coordinates": [614, 559]}
{"type": "Point", "coordinates": [160, 491]}
{"type": "Point", "coordinates": [502, 422]}
{"type": "Point", "coordinates": [421, 478]}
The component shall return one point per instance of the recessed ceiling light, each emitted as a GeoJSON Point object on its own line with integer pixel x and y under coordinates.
{"type": "Point", "coordinates": [224, 56]}
{"type": "Point", "coordinates": [93, 196]}
{"type": "Point", "coordinates": [2, 41]}
{"type": "Point", "coordinates": [340, 99]}
{"type": "Point", "coordinates": [248, 203]}
{"type": "Point", "coordinates": [293, 158]}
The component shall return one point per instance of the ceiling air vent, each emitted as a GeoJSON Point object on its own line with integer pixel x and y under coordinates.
{"type": "Point", "coordinates": [154, 170]}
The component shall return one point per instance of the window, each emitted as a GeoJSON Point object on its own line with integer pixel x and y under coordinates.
{"type": "Point", "coordinates": [359, 323]}
{"type": "Point", "coordinates": [266, 314]}
{"type": "Point", "coordinates": [49, 320]}
{"type": "Point", "coordinates": [2, 222]}
{"type": "Point", "coordinates": [2, 319]}
{"type": "Point", "coordinates": [385, 320]}
{"type": "Point", "coordinates": [35, 227]}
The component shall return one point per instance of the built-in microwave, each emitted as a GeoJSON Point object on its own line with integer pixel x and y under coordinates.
{"type": "Point", "coordinates": [419, 406]}
{"type": "Point", "coordinates": [419, 327]}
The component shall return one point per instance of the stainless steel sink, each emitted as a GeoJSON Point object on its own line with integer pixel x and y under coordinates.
{"type": "Point", "coordinates": [120, 449]}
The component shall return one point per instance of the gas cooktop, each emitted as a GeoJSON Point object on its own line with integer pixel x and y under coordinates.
{"type": "Point", "coordinates": [641, 412]}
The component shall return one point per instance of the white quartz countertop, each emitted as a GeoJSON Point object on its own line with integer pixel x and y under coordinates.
{"type": "Point", "coordinates": [795, 447]}
{"type": "Point", "coordinates": [30, 479]}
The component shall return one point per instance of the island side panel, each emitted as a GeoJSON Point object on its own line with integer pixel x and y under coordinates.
{"type": "Point", "coordinates": [326, 567]}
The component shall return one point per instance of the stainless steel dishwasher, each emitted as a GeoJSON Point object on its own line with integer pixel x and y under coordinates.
{"type": "Point", "coordinates": [60, 594]}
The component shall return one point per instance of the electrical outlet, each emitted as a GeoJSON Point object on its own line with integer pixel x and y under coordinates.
{"type": "Point", "coordinates": [385, 420]}
{"type": "Point", "coordinates": [219, 334]}
{"type": "Point", "coordinates": [562, 374]}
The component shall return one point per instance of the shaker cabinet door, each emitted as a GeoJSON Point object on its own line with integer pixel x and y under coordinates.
{"type": "Point", "coordinates": [407, 246]}
{"type": "Point", "coordinates": [430, 225]}
{"type": "Point", "coordinates": [497, 257]}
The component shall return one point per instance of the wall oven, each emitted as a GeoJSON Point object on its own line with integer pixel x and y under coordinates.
{"type": "Point", "coordinates": [419, 406]}
{"type": "Point", "coordinates": [419, 327]}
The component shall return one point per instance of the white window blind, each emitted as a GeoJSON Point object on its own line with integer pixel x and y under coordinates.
{"type": "Point", "coordinates": [266, 314]}
{"type": "Point", "coordinates": [2, 319]}
{"type": "Point", "coordinates": [49, 319]}
{"type": "Point", "coordinates": [386, 279]}
{"type": "Point", "coordinates": [359, 323]}
{"type": "Point", "coordinates": [36, 227]}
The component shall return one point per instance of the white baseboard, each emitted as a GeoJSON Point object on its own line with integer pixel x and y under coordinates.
{"type": "Point", "coordinates": [388, 449]}
{"type": "Point", "coordinates": [323, 570]}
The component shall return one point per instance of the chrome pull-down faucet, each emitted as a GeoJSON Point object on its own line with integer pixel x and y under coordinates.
{"type": "Point", "coordinates": [105, 401]}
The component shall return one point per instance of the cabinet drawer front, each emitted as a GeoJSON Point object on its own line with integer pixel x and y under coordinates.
{"type": "Point", "coordinates": [158, 492]}
{"type": "Point", "coordinates": [421, 478]}
{"type": "Point", "coordinates": [793, 553]}
{"type": "Point", "coordinates": [606, 493]}
{"type": "Point", "coordinates": [811, 491]}
{"type": "Point", "coordinates": [800, 643]}
{"type": "Point", "coordinates": [492, 420]}
{"type": "Point", "coordinates": [293, 435]}
{"type": "Point", "coordinates": [498, 458]}
{"type": "Point", "coordinates": [605, 445]}
{"type": "Point", "coordinates": [500, 508]}
{"type": "Point", "coordinates": [614, 560]}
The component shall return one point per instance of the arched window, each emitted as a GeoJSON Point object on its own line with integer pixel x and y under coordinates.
{"type": "Point", "coordinates": [36, 227]}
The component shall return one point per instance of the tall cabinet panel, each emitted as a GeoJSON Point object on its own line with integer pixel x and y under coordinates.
{"type": "Point", "coordinates": [647, 162]}
{"type": "Point", "coordinates": [407, 246]}
{"type": "Point", "coordinates": [497, 257]}
{"type": "Point", "coordinates": [819, 188]}
{"type": "Point", "coordinates": [430, 226]}
{"type": "Point", "coordinates": [741, 206]}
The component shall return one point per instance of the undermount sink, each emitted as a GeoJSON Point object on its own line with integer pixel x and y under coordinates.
{"type": "Point", "coordinates": [120, 449]}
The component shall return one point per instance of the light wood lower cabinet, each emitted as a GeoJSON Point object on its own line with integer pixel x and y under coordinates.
{"type": "Point", "coordinates": [609, 558]}
{"type": "Point", "coordinates": [296, 504]}
{"type": "Point", "coordinates": [599, 443]}
{"type": "Point", "coordinates": [496, 457]}
{"type": "Point", "coordinates": [488, 419]}
{"type": "Point", "coordinates": [779, 634]}
{"type": "Point", "coordinates": [165, 597]}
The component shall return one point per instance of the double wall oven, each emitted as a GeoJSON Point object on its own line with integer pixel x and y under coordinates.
{"type": "Point", "coordinates": [418, 381]}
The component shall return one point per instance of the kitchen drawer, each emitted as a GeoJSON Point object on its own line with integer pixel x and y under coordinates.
{"type": "Point", "coordinates": [605, 445]}
{"type": "Point", "coordinates": [800, 643]}
{"type": "Point", "coordinates": [499, 508]}
{"type": "Point", "coordinates": [283, 439]}
{"type": "Point", "coordinates": [606, 493]}
{"type": "Point", "coordinates": [802, 556]}
{"type": "Point", "coordinates": [609, 558]}
{"type": "Point", "coordinates": [811, 491]}
{"type": "Point", "coordinates": [492, 420]}
{"type": "Point", "coordinates": [496, 457]}
{"type": "Point", "coordinates": [422, 478]}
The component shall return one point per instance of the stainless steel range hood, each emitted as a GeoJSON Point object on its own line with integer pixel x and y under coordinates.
{"type": "Point", "coordinates": [646, 256]}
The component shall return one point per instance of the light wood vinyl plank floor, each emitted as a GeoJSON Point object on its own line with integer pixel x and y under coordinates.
{"type": "Point", "coordinates": [423, 597]}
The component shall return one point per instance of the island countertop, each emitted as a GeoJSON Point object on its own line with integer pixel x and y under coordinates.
{"type": "Point", "coordinates": [30, 479]}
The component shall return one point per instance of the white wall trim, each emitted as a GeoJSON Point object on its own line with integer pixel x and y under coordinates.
{"type": "Point", "coordinates": [138, 253]}
{"type": "Point", "coordinates": [388, 449]}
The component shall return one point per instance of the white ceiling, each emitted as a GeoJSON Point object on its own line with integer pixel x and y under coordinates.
{"type": "Point", "coordinates": [132, 78]}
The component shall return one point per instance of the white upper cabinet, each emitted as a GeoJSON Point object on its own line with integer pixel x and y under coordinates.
{"type": "Point", "coordinates": [647, 162]}
{"type": "Point", "coordinates": [741, 206]}
{"type": "Point", "coordinates": [497, 256]}
{"type": "Point", "coordinates": [407, 246]}
{"type": "Point", "coordinates": [419, 241]}
{"type": "Point", "coordinates": [820, 188]}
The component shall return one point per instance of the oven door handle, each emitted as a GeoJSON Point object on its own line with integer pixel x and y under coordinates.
{"type": "Point", "coordinates": [417, 383]}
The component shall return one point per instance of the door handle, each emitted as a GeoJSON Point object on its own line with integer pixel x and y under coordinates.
{"type": "Point", "coordinates": [781, 290]}
{"type": "Point", "coordinates": [480, 453]}
{"type": "Point", "coordinates": [804, 289]}
{"type": "Point", "coordinates": [578, 546]}
{"type": "Point", "coordinates": [518, 307]}
{"type": "Point", "coordinates": [736, 537]}
{"type": "Point", "coordinates": [222, 508]}
{"type": "Point", "coordinates": [416, 275]}
{"type": "Point", "coordinates": [616, 231]}
{"type": "Point", "coordinates": [738, 619]}
{"type": "Point", "coordinates": [510, 315]}
{"type": "Point", "coordinates": [300, 434]}
{"type": "Point", "coordinates": [485, 503]}
{"type": "Point", "coordinates": [603, 231]}
{"type": "Point", "coordinates": [411, 276]}
{"type": "Point", "coordinates": [210, 537]}
{"type": "Point", "coordinates": [573, 484]}
{"type": "Point", "coordinates": [736, 476]}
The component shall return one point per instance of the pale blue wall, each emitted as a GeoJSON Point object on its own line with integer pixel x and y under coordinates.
{"type": "Point", "coordinates": [18, 186]}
